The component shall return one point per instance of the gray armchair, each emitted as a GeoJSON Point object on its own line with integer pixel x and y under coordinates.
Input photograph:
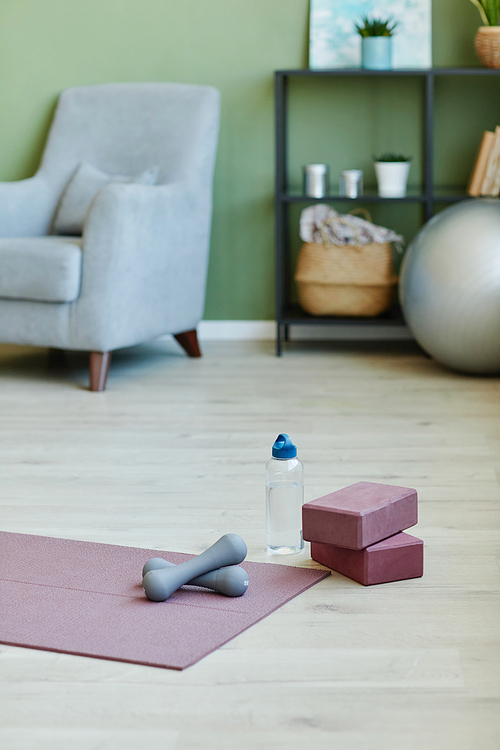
{"type": "Point", "coordinates": [139, 268]}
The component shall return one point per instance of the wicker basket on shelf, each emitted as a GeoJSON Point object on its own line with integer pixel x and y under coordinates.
{"type": "Point", "coordinates": [352, 280]}
{"type": "Point", "coordinates": [487, 44]}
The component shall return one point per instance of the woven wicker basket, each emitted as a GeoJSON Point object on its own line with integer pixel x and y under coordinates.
{"type": "Point", "coordinates": [488, 45]}
{"type": "Point", "coordinates": [349, 280]}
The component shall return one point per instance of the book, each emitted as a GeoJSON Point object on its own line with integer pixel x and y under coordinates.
{"type": "Point", "coordinates": [493, 160]}
{"type": "Point", "coordinates": [495, 184]}
{"type": "Point", "coordinates": [479, 171]}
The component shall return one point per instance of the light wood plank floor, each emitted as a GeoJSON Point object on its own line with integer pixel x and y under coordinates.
{"type": "Point", "coordinates": [173, 456]}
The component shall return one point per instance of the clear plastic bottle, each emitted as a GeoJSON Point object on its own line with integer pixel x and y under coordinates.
{"type": "Point", "coordinates": [284, 499]}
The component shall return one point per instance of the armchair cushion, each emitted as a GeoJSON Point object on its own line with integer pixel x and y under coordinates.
{"type": "Point", "coordinates": [81, 189]}
{"type": "Point", "coordinates": [41, 269]}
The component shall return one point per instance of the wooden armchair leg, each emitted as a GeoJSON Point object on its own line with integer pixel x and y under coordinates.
{"type": "Point", "coordinates": [99, 366]}
{"type": "Point", "coordinates": [189, 342]}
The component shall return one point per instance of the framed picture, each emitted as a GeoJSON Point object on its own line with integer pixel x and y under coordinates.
{"type": "Point", "coordinates": [335, 43]}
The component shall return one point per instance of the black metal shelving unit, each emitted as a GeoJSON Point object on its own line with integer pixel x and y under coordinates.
{"type": "Point", "coordinates": [288, 314]}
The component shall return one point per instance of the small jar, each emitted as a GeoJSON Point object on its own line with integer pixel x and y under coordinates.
{"type": "Point", "coordinates": [316, 180]}
{"type": "Point", "coordinates": [351, 183]}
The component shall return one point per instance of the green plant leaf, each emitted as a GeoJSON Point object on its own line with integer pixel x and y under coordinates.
{"type": "Point", "coordinates": [489, 11]}
{"type": "Point", "coordinates": [391, 157]}
{"type": "Point", "coordinates": [492, 8]}
{"type": "Point", "coordinates": [376, 26]}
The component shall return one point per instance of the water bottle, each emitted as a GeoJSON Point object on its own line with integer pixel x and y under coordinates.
{"type": "Point", "coordinates": [284, 499]}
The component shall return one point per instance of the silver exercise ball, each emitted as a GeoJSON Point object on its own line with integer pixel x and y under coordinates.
{"type": "Point", "coordinates": [450, 286]}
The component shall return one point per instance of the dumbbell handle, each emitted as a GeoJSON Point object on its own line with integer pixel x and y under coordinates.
{"type": "Point", "coordinates": [230, 581]}
{"type": "Point", "coordinates": [158, 585]}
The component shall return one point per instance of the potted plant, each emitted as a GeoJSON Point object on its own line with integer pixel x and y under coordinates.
{"type": "Point", "coordinates": [488, 36]}
{"type": "Point", "coordinates": [376, 42]}
{"type": "Point", "coordinates": [392, 174]}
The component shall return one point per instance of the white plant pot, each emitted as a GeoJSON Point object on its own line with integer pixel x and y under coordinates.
{"type": "Point", "coordinates": [392, 177]}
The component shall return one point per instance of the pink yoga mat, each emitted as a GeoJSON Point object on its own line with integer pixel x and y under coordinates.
{"type": "Point", "coordinates": [86, 598]}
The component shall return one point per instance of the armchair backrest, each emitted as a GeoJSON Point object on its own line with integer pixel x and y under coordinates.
{"type": "Point", "coordinates": [124, 128]}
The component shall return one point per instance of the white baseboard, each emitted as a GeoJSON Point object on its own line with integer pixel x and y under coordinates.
{"type": "Point", "coordinates": [236, 330]}
{"type": "Point", "coordinates": [246, 330]}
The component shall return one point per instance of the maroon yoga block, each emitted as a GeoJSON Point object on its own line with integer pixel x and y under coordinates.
{"type": "Point", "coordinates": [359, 515]}
{"type": "Point", "coordinates": [395, 559]}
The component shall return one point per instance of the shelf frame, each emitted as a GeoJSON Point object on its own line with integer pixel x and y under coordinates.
{"type": "Point", "coordinates": [286, 314]}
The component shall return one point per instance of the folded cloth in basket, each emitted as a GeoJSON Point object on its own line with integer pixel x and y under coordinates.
{"type": "Point", "coordinates": [322, 224]}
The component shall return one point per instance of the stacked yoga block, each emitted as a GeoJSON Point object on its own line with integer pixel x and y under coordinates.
{"type": "Point", "coordinates": [358, 531]}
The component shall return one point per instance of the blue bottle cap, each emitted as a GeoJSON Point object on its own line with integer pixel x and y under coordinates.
{"type": "Point", "coordinates": [283, 447]}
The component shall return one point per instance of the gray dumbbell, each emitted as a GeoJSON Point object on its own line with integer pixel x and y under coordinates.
{"type": "Point", "coordinates": [159, 584]}
{"type": "Point", "coordinates": [230, 581]}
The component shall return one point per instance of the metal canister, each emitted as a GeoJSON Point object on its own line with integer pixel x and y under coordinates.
{"type": "Point", "coordinates": [316, 180]}
{"type": "Point", "coordinates": [351, 183]}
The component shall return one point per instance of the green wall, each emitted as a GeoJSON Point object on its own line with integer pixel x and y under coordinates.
{"type": "Point", "coordinates": [235, 45]}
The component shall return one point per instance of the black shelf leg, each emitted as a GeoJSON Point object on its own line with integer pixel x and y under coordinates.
{"type": "Point", "coordinates": [429, 146]}
{"type": "Point", "coordinates": [278, 340]}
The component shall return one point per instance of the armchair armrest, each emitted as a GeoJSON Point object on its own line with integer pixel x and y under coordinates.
{"type": "Point", "coordinates": [26, 207]}
{"type": "Point", "coordinates": [145, 258]}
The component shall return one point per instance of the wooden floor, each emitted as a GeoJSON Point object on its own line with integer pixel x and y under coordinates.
{"type": "Point", "coordinates": [172, 456]}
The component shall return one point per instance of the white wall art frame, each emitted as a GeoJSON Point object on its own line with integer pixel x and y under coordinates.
{"type": "Point", "coordinates": [335, 43]}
